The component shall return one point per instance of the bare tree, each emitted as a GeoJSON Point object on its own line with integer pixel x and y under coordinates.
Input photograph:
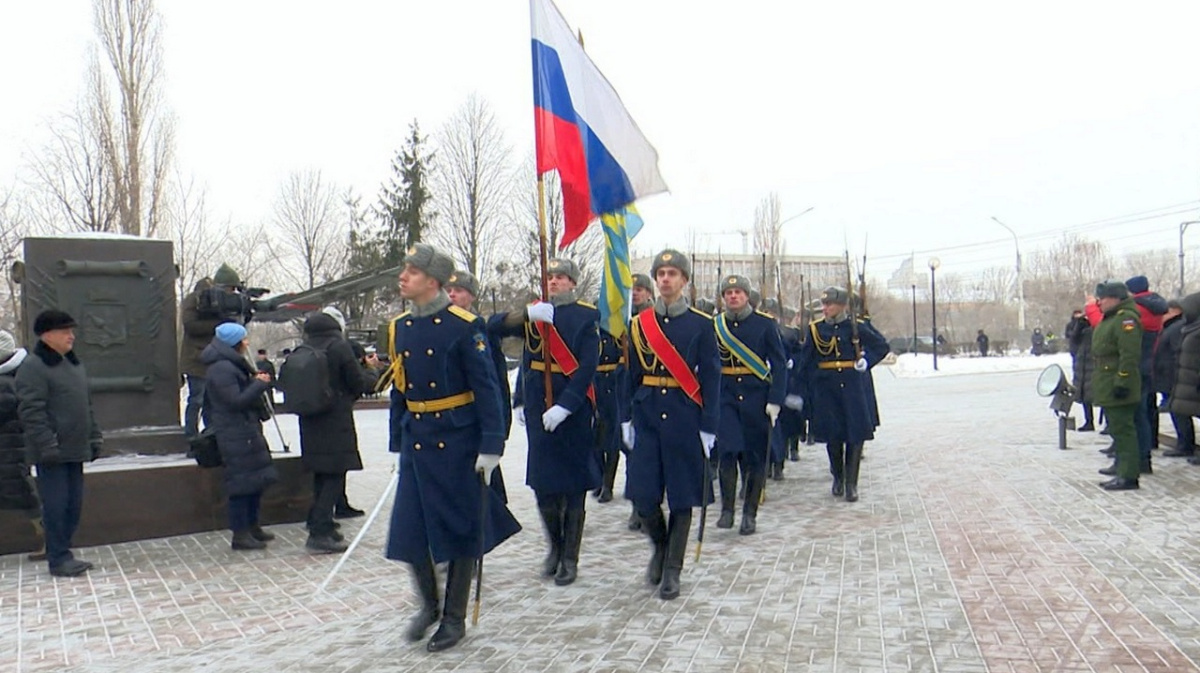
{"type": "Point", "coordinates": [136, 133]}
{"type": "Point", "coordinates": [311, 229]}
{"type": "Point", "coordinates": [472, 184]}
{"type": "Point", "coordinates": [767, 241]}
{"type": "Point", "coordinates": [14, 224]}
{"type": "Point", "coordinates": [196, 239]}
{"type": "Point", "coordinates": [74, 188]}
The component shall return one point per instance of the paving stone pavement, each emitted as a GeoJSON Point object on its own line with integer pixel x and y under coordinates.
{"type": "Point", "coordinates": [976, 546]}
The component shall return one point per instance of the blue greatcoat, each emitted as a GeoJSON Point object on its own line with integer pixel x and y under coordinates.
{"type": "Point", "coordinates": [611, 389]}
{"type": "Point", "coordinates": [839, 399]}
{"type": "Point", "coordinates": [562, 462]}
{"type": "Point", "coordinates": [791, 422]}
{"type": "Point", "coordinates": [437, 507]}
{"type": "Point", "coordinates": [667, 455]}
{"type": "Point", "coordinates": [744, 424]}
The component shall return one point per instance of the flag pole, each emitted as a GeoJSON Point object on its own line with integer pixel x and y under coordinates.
{"type": "Point", "coordinates": [544, 261]}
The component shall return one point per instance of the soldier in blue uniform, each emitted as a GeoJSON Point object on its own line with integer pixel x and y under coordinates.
{"type": "Point", "coordinates": [836, 359]}
{"type": "Point", "coordinates": [447, 425]}
{"type": "Point", "coordinates": [777, 449]}
{"type": "Point", "coordinates": [791, 421]}
{"type": "Point", "coordinates": [675, 379]}
{"type": "Point", "coordinates": [753, 386]}
{"type": "Point", "coordinates": [463, 290]}
{"type": "Point", "coordinates": [643, 298]}
{"type": "Point", "coordinates": [610, 389]}
{"type": "Point", "coordinates": [562, 465]}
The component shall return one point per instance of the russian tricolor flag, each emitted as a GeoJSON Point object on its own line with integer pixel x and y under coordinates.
{"type": "Point", "coordinates": [583, 130]}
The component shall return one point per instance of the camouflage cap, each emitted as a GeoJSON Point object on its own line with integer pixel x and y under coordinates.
{"type": "Point", "coordinates": [835, 295]}
{"type": "Point", "coordinates": [1112, 288]}
{"type": "Point", "coordinates": [431, 261]}
{"type": "Point", "coordinates": [564, 266]}
{"type": "Point", "coordinates": [463, 281]}
{"type": "Point", "coordinates": [672, 258]}
{"type": "Point", "coordinates": [643, 281]}
{"type": "Point", "coordinates": [736, 282]}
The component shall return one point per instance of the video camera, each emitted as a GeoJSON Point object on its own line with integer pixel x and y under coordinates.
{"type": "Point", "coordinates": [237, 302]}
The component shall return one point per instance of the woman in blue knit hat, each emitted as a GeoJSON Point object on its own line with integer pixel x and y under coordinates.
{"type": "Point", "coordinates": [234, 393]}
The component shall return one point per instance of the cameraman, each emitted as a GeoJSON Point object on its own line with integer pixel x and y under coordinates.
{"type": "Point", "coordinates": [199, 323]}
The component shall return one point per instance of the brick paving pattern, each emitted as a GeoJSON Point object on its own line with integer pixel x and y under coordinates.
{"type": "Point", "coordinates": [977, 546]}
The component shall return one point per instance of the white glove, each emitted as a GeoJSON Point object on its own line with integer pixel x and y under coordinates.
{"type": "Point", "coordinates": [627, 434]}
{"type": "Point", "coordinates": [542, 311]}
{"type": "Point", "coordinates": [519, 415]}
{"type": "Point", "coordinates": [773, 412]}
{"type": "Point", "coordinates": [791, 363]}
{"type": "Point", "coordinates": [487, 463]}
{"type": "Point", "coordinates": [861, 365]}
{"type": "Point", "coordinates": [794, 402]}
{"type": "Point", "coordinates": [554, 417]}
{"type": "Point", "coordinates": [707, 440]}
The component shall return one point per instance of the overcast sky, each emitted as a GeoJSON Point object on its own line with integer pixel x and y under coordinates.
{"type": "Point", "coordinates": [905, 124]}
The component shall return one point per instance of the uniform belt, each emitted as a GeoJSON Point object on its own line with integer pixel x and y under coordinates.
{"type": "Point", "coordinates": [736, 371]}
{"type": "Point", "coordinates": [836, 364]}
{"type": "Point", "coordinates": [441, 403]}
{"type": "Point", "coordinates": [607, 368]}
{"type": "Point", "coordinates": [660, 382]}
{"type": "Point", "coordinates": [541, 367]}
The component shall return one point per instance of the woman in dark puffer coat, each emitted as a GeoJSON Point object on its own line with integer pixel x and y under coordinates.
{"type": "Point", "coordinates": [17, 488]}
{"type": "Point", "coordinates": [234, 394]}
{"type": "Point", "coordinates": [1185, 397]}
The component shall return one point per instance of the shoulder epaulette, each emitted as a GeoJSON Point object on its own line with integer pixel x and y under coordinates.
{"type": "Point", "coordinates": [696, 310]}
{"type": "Point", "coordinates": [587, 305]}
{"type": "Point", "coordinates": [765, 314]}
{"type": "Point", "coordinates": [463, 313]}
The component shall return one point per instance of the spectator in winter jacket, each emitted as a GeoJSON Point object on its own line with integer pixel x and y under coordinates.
{"type": "Point", "coordinates": [1037, 342]}
{"type": "Point", "coordinates": [234, 395]}
{"type": "Point", "coordinates": [263, 363]}
{"type": "Point", "coordinates": [982, 341]}
{"type": "Point", "coordinates": [328, 440]}
{"type": "Point", "coordinates": [1185, 397]}
{"type": "Point", "coordinates": [1163, 372]}
{"type": "Point", "coordinates": [61, 434]}
{"type": "Point", "coordinates": [17, 489]}
{"type": "Point", "coordinates": [198, 329]}
{"type": "Point", "coordinates": [1082, 369]}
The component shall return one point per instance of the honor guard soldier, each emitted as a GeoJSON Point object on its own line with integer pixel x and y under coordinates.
{"type": "Point", "coordinates": [836, 359]}
{"type": "Point", "coordinates": [753, 386]}
{"type": "Point", "coordinates": [447, 425]}
{"type": "Point", "coordinates": [610, 390]}
{"type": "Point", "coordinates": [643, 298]}
{"type": "Point", "coordinates": [562, 465]}
{"type": "Point", "coordinates": [675, 379]}
{"type": "Point", "coordinates": [777, 451]}
{"type": "Point", "coordinates": [791, 422]}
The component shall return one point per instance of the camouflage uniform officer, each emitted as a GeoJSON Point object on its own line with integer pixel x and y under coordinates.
{"type": "Point", "coordinates": [447, 425]}
{"type": "Point", "coordinates": [675, 379]}
{"type": "Point", "coordinates": [837, 369]}
{"type": "Point", "coordinates": [562, 465]}
{"type": "Point", "coordinates": [1117, 380]}
{"type": "Point", "coordinates": [753, 386]}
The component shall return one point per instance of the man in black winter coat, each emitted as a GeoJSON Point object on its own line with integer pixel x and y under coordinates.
{"type": "Point", "coordinates": [328, 440]}
{"type": "Point", "coordinates": [1185, 398]}
{"type": "Point", "coordinates": [1163, 369]}
{"type": "Point", "coordinates": [60, 433]}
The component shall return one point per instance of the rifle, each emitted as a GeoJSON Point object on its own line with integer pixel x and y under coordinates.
{"type": "Point", "coordinates": [862, 283]}
{"type": "Point", "coordinates": [719, 296]}
{"type": "Point", "coordinates": [779, 292]}
{"type": "Point", "coordinates": [691, 285]}
{"type": "Point", "coordinates": [850, 310]}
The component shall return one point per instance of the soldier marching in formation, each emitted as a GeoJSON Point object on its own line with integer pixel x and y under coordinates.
{"type": "Point", "coordinates": [679, 386]}
{"type": "Point", "coordinates": [561, 334]}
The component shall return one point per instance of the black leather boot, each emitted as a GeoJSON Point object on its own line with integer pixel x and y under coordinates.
{"type": "Point", "coordinates": [837, 461]}
{"type": "Point", "coordinates": [635, 521]}
{"type": "Point", "coordinates": [677, 537]}
{"type": "Point", "coordinates": [728, 481]}
{"type": "Point", "coordinates": [754, 488]}
{"type": "Point", "coordinates": [1121, 484]}
{"type": "Point", "coordinates": [656, 527]}
{"type": "Point", "coordinates": [552, 517]}
{"type": "Point", "coordinates": [572, 539]}
{"type": "Point", "coordinates": [244, 540]}
{"type": "Point", "coordinates": [793, 444]}
{"type": "Point", "coordinates": [425, 582]}
{"type": "Point", "coordinates": [454, 620]}
{"type": "Point", "coordinates": [777, 471]}
{"type": "Point", "coordinates": [610, 475]}
{"type": "Point", "coordinates": [1109, 471]}
{"type": "Point", "coordinates": [1146, 467]}
{"type": "Point", "coordinates": [853, 455]}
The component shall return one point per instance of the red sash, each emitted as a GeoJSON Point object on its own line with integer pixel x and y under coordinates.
{"type": "Point", "coordinates": [670, 358]}
{"type": "Point", "coordinates": [561, 353]}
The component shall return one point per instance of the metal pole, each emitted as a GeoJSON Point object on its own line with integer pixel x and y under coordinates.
{"type": "Point", "coordinates": [933, 292]}
{"type": "Point", "coordinates": [1020, 280]}
{"type": "Point", "coordinates": [1182, 228]}
{"type": "Point", "coordinates": [914, 302]}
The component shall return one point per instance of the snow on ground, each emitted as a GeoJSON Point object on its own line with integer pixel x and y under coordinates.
{"type": "Point", "coordinates": [920, 365]}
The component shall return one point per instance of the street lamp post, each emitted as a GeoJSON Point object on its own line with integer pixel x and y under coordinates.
{"type": "Point", "coordinates": [914, 303]}
{"type": "Point", "coordinates": [1020, 282]}
{"type": "Point", "coordinates": [934, 263]}
{"type": "Point", "coordinates": [1182, 228]}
